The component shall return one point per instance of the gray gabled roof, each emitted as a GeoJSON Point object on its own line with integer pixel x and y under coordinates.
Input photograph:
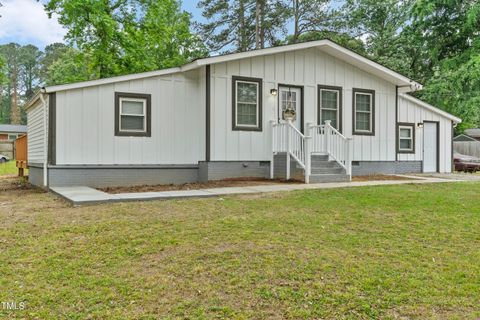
{"type": "Point", "coordinates": [14, 128]}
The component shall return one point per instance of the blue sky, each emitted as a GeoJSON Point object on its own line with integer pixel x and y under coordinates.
{"type": "Point", "coordinates": [25, 22]}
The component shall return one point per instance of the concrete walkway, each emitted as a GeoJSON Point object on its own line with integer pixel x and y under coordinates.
{"type": "Point", "coordinates": [86, 195]}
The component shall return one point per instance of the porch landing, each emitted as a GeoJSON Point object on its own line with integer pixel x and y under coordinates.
{"type": "Point", "coordinates": [81, 195]}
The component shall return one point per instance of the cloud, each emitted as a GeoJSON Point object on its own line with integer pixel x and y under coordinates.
{"type": "Point", "coordinates": [25, 21]}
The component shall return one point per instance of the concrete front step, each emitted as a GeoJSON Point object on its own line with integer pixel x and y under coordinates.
{"type": "Point", "coordinates": [325, 164]}
{"type": "Point", "coordinates": [319, 157]}
{"type": "Point", "coordinates": [320, 178]}
{"type": "Point", "coordinates": [334, 170]}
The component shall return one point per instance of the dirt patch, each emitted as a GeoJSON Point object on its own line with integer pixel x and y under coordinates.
{"type": "Point", "coordinates": [243, 182]}
{"type": "Point", "coordinates": [11, 183]}
{"type": "Point", "coordinates": [379, 177]}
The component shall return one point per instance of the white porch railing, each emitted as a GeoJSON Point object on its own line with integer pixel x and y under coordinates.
{"type": "Point", "coordinates": [328, 140]}
{"type": "Point", "coordinates": [286, 138]}
{"type": "Point", "coordinates": [320, 139]}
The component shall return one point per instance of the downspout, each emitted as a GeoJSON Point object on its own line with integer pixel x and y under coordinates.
{"type": "Point", "coordinates": [396, 123]}
{"type": "Point", "coordinates": [45, 139]}
{"type": "Point", "coordinates": [413, 88]}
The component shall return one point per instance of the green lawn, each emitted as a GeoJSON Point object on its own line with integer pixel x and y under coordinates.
{"type": "Point", "coordinates": [390, 252]}
{"type": "Point", "coordinates": [8, 168]}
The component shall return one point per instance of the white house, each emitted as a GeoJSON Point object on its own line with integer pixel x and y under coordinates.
{"type": "Point", "coordinates": [224, 117]}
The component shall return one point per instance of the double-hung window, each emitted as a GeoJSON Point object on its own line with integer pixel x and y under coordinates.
{"type": "Point", "coordinates": [247, 104]}
{"type": "Point", "coordinates": [132, 114]}
{"type": "Point", "coordinates": [406, 138]}
{"type": "Point", "coordinates": [330, 106]}
{"type": "Point", "coordinates": [363, 112]}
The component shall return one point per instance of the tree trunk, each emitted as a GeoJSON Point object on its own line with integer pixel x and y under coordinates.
{"type": "Point", "coordinates": [241, 32]}
{"type": "Point", "coordinates": [262, 24]}
{"type": "Point", "coordinates": [296, 18]}
{"type": "Point", "coordinates": [257, 24]}
{"type": "Point", "coordinates": [14, 108]}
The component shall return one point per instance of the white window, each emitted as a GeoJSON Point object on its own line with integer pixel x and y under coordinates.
{"type": "Point", "coordinates": [406, 135]}
{"type": "Point", "coordinates": [329, 104]}
{"type": "Point", "coordinates": [363, 104]}
{"type": "Point", "coordinates": [247, 104]}
{"type": "Point", "coordinates": [132, 114]}
{"type": "Point", "coordinates": [12, 137]}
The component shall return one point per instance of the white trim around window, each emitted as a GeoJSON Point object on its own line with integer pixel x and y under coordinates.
{"type": "Point", "coordinates": [142, 115]}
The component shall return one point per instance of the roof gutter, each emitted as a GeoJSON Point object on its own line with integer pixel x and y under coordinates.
{"type": "Point", "coordinates": [45, 137]}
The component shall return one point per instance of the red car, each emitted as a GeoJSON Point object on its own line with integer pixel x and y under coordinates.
{"type": "Point", "coordinates": [466, 163]}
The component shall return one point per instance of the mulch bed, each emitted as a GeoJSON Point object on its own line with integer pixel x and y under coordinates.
{"type": "Point", "coordinates": [243, 182]}
{"type": "Point", "coordinates": [380, 177]}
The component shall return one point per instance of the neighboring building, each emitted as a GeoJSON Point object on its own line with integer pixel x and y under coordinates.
{"type": "Point", "coordinates": [10, 132]}
{"type": "Point", "coordinates": [222, 117]}
{"type": "Point", "coordinates": [464, 138]}
{"type": "Point", "coordinates": [473, 133]}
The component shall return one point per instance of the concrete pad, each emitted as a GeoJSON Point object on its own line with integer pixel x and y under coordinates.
{"type": "Point", "coordinates": [230, 190]}
{"type": "Point", "coordinates": [83, 195]}
{"type": "Point", "coordinates": [86, 195]}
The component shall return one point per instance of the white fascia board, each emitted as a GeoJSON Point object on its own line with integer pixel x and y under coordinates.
{"type": "Point", "coordinates": [406, 84]}
{"type": "Point", "coordinates": [260, 52]}
{"type": "Point", "coordinates": [98, 82]}
{"type": "Point", "coordinates": [431, 108]}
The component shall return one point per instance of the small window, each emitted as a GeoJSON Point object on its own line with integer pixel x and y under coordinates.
{"type": "Point", "coordinates": [12, 137]}
{"type": "Point", "coordinates": [406, 138]}
{"type": "Point", "coordinates": [330, 105]}
{"type": "Point", "coordinates": [247, 104]}
{"type": "Point", "coordinates": [363, 112]}
{"type": "Point", "coordinates": [132, 114]}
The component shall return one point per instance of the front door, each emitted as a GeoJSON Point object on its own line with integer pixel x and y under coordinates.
{"type": "Point", "coordinates": [291, 97]}
{"type": "Point", "coordinates": [430, 147]}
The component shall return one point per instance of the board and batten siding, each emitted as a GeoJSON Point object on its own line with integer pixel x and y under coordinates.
{"type": "Point", "coordinates": [308, 68]}
{"type": "Point", "coordinates": [37, 152]}
{"type": "Point", "coordinates": [86, 123]}
{"type": "Point", "coordinates": [411, 112]}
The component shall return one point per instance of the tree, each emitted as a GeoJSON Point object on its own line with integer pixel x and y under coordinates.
{"type": "Point", "coordinates": [12, 55]}
{"type": "Point", "coordinates": [161, 39]}
{"type": "Point", "coordinates": [230, 25]}
{"type": "Point", "coordinates": [380, 23]}
{"type": "Point", "coordinates": [450, 66]}
{"type": "Point", "coordinates": [71, 66]}
{"type": "Point", "coordinates": [448, 28]}
{"type": "Point", "coordinates": [310, 16]}
{"type": "Point", "coordinates": [52, 53]}
{"type": "Point", "coordinates": [4, 116]}
{"type": "Point", "coordinates": [29, 69]}
{"type": "Point", "coordinates": [241, 25]}
{"type": "Point", "coordinates": [125, 36]}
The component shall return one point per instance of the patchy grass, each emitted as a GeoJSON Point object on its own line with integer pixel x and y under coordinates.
{"type": "Point", "coordinates": [9, 168]}
{"type": "Point", "coordinates": [389, 252]}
